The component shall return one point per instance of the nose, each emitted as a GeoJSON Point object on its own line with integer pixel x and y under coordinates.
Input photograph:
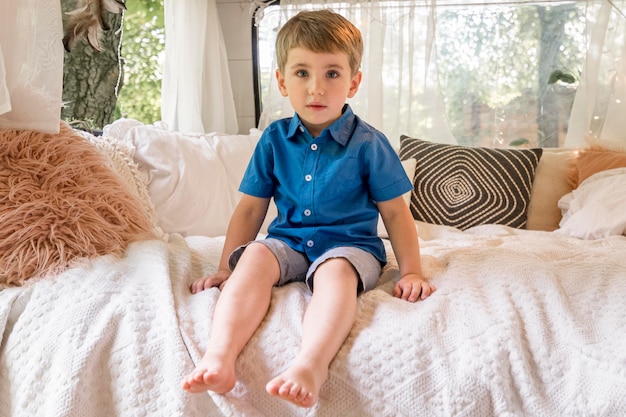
{"type": "Point", "coordinates": [315, 87]}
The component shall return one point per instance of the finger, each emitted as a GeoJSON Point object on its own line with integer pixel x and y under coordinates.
{"type": "Point", "coordinates": [403, 291]}
{"type": "Point", "coordinates": [415, 292]}
{"type": "Point", "coordinates": [427, 290]}
{"type": "Point", "coordinates": [201, 285]}
{"type": "Point", "coordinates": [208, 283]}
{"type": "Point", "coordinates": [407, 291]}
{"type": "Point", "coordinates": [194, 287]}
{"type": "Point", "coordinates": [397, 291]}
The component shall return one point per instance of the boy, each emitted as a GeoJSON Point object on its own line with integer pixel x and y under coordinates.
{"type": "Point", "coordinates": [330, 175]}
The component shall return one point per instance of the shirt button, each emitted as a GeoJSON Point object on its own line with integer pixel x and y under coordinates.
{"type": "Point", "coordinates": [310, 243]}
{"type": "Point", "coordinates": [307, 212]}
{"type": "Point", "coordinates": [308, 177]}
{"type": "Point", "coordinates": [314, 146]}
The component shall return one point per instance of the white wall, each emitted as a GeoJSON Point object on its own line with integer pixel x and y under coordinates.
{"type": "Point", "coordinates": [235, 20]}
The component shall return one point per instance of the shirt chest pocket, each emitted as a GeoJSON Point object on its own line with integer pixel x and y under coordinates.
{"type": "Point", "coordinates": [338, 182]}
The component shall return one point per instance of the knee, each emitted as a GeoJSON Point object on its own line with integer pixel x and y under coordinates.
{"type": "Point", "coordinates": [339, 265]}
{"type": "Point", "coordinates": [333, 269]}
{"type": "Point", "coordinates": [257, 250]}
{"type": "Point", "coordinates": [259, 261]}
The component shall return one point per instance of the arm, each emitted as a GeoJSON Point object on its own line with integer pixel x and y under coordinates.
{"type": "Point", "coordinates": [243, 227]}
{"type": "Point", "coordinates": [403, 236]}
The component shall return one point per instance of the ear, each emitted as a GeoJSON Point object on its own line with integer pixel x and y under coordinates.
{"type": "Point", "coordinates": [281, 83]}
{"type": "Point", "coordinates": [355, 83]}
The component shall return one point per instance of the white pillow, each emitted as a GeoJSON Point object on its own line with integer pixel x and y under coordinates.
{"type": "Point", "coordinates": [596, 209]}
{"type": "Point", "coordinates": [193, 180]}
{"type": "Point", "coordinates": [409, 168]}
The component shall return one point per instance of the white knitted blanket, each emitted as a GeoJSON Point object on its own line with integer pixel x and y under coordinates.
{"type": "Point", "coordinates": [522, 324]}
{"type": "Point", "coordinates": [101, 339]}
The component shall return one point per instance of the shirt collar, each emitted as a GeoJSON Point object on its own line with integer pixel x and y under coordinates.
{"type": "Point", "coordinates": [340, 130]}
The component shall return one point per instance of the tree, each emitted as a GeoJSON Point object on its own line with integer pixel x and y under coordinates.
{"type": "Point", "coordinates": [124, 78]}
{"type": "Point", "coordinates": [496, 65]}
{"type": "Point", "coordinates": [92, 78]}
{"type": "Point", "coordinates": [553, 22]}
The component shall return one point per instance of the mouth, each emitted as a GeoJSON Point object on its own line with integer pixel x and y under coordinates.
{"type": "Point", "coordinates": [315, 106]}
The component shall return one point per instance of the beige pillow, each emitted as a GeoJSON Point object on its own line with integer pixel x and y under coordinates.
{"type": "Point", "coordinates": [550, 184]}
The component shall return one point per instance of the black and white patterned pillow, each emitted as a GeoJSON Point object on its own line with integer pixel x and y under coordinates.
{"type": "Point", "coordinates": [468, 186]}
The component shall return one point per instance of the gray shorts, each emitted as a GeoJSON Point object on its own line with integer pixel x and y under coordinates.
{"type": "Point", "coordinates": [296, 267]}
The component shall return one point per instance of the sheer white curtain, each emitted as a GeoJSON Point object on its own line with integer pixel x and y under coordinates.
{"type": "Point", "coordinates": [196, 90]}
{"type": "Point", "coordinates": [479, 72]}
{"type": "Point", "coordinates": [599, 110]}
{"type": "Point", "coordinates": [31, 64]}
{"type": "Point", "coordinates": [399, 67]}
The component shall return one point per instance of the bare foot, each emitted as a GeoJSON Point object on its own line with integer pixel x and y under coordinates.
{"type": "Point", "coordinates": [213, 373]}
{"type": "Point", "coordinates": [300, 384]}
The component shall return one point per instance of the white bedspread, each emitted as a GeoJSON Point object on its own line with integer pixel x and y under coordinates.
{"type": "Point", "coordinates": [522, 324]}
{"type": "Point", "coordinates": [100, 340]}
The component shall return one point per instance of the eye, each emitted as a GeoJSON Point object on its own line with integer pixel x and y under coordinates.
{"type": "Point", "coordinates": [302, 73]}
{"type": "Point", "coordinates": [332, 74]}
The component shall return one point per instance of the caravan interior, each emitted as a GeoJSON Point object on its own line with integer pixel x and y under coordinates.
{"type": "Point", "coordinates": [102, 235]}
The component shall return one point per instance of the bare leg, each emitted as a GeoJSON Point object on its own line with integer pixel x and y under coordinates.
{"type": "Point", "coordinates": [327, 322]}
{"type": "Point", "coordinates": [241, 307]}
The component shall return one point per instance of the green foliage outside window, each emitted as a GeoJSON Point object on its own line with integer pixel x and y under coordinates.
{"type": "Point", "coordinates": [143, 46]}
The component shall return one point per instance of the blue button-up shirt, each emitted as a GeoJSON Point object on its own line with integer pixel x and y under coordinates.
{"type": "Point", "coordinates": [326, 188]}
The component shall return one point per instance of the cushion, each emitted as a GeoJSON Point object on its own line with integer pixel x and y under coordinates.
{"type": "Point", "coordinates": [595, 159]}
{"type": "Point", "coordinates": [409, 170]}
{"type": "Point", "coordinates": [119, 156]}
{"type": "Point", "coordinates": [550, 184]}
{"type": "Point", "coordinates": [595, 209]}
{"type": "Point", "coordinates": [193, 179]}
{"type": "Point", "coordinates": [465, 186]}
{"type": "Point", "coordinates": [61, 203]}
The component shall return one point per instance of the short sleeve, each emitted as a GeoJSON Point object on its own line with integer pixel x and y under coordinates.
{"type": "Point", "coordinates": [387, 178]}
{"type": "Point", "coordinates": [257, 180]}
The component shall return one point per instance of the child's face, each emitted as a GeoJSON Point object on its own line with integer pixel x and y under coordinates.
{"type": "Point", "coordinates": [317, 85]}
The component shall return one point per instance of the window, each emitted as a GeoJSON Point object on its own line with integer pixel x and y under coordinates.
{"type": "Point", "coordinates": [476, 73]}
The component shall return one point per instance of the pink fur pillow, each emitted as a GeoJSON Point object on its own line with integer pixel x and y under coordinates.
{"type": "Point", "coordinates": [60, 202]}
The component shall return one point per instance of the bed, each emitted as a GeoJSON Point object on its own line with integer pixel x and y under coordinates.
{"type": "Point", "coordinates": [528, 319]}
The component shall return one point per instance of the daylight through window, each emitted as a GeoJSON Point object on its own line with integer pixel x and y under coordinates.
{"type": "Point", "coordinates": [492, 74]}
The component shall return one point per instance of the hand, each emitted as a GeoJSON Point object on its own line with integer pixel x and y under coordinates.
{"type": "Point", "coordinates": [216, 280]}
{"type": "Point", "coordinates": [412, 287]}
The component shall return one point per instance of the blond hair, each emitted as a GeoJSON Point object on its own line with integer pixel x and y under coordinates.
{"type": "Point", "coordinates": [320, 31]}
